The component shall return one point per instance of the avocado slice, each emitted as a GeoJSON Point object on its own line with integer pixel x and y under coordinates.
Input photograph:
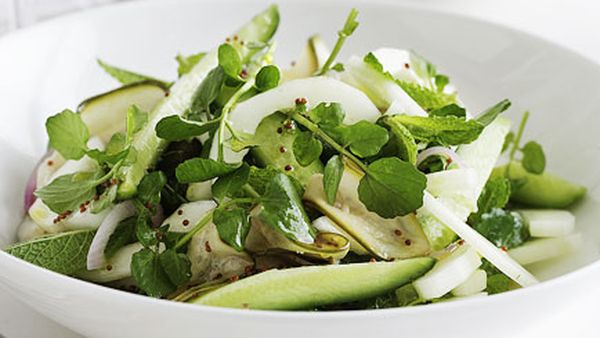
{"type": "Point", "coordinates": [544, 190]}
{"type": "Point", "coordinates": [311, 286]}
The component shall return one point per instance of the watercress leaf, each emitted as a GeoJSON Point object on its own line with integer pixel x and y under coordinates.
{"type": "Point", "coordinates": [229, 184]}
{"type": "Point", "coordinates": [448, 130]}
{"type": "Point", "coordinates": [64, 252]}
{"type": "Point", "coordinates": [307, 148]}
{"type": "Point", "coordinates": [427, 98]}
{"type": "Point", "coordinates": [176, 128]}
{"type": "Point", "coordinates": [150, 275]}
{"type": "Point", "coordinates": [327, 115]}
{"type": "Point", "coordinates": [259, 178]}
{"type": "Point", "coordinates": [534, 159]}
{"type": "Point", "coordinates": [143, 230]}
{"type": "Point", "coordinates": [267, 78]}
{"type": "Point", "coordinates": [282, 209]}
{"type": "Point", "coordinates": [403, 141]}
{"type": "Point", "coordinates": [495, 194]}
{"type": "Point", "coordinates": [503, 228]}
{"type": "Point", "coordinates": [392, 187]}
{"type": "Point", "coordinates": [229, 60]}
{"type": "Point", "coordinates": [508, 141]}
{"type": "Point", "coordinates": [176, 266]}
{"type": "Point", "coordinates": [124, 234]}
{"type": "Point", "coordinates": [365, 138]}
{"type": "Point", "coordinates": [128, 77]}
{"type": "Point", "coordinates": [450, 110]}
{"type": "Point", "coordinates": [207, 92]}
{"type": "Point", "coordinates": [187, 63]}
{"type": "Point", "coordinates": [136, 120]}
{"type": "Point", "coordinates": [489, 115]}
{"type": "Point", "coordinates": [338, 67]}
{"type": "Point", "coordinates": [68, 192]}
{"type": "Point", "coordinates": [332, 176]}
{"type": "Point", "coordinates": [150, 186]}
{"type": "Point", "coordinates": [233, 226]}
{"type": "Point", "coordinates": [202, 169]}
{"type": "Point", "coordinates": [68, 134]}
{"type": "Point", "coordinates": [116, 150]}
{"type": "Point", "coordinates": [105, 199]}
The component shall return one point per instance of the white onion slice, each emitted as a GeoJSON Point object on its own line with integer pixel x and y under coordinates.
{"type": "Point", "coordinates": [440, 151]}
{"type": "Point", "coordinates": [121, 211]}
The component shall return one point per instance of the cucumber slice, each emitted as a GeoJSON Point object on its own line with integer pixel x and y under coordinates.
{"type": "Point", "coordinates": [455, 182]}
{"type": "Point", "coordinates": [312, 59]}
{"type": "Point", "coordinates": [475, 284]}
{"type": "Point", "coordinates": [547, 248]}
{"type": "Point", "coordinates": [549, 223]}
{"type": "Point", "coordinates": [106, 114]}
{"type": "Point", "coordinates": [260, 29]}
{"type": "Point", "coordinates": [448, 273]}
{"type": "Point", "coordinates": [544, 191]}
{"type": "Point", "coordinates": [117, 267]}
{"type": "Point", "coordinates": [311, 286]}
{"type": "Point", "coordinates": [325, 224]}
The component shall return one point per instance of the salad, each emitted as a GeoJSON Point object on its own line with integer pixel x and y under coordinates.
{"type": "Point", "coordinates": [330, 184]}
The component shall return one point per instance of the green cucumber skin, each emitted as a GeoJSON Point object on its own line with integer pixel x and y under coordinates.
{"type": "Point", "coordinates": [544, 191]}
{"type": "Point", "coordinates": [311, 286]}
{"type": "Point", "coordinates": [260, 29]}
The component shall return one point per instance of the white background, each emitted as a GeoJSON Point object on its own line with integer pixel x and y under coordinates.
{"type": "Point", "coordinates": [574, 24]}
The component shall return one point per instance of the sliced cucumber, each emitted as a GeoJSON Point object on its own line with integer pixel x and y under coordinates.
{"type": "Point", "coordinates": [325, 224]}
{"type": "Point", "coordinates": [544, 191]}
{"type": "Point", "coordinates": [454, 182]}
{"type": "Point", "coordinates": [448, 273]}
{"type": "Point", "coordinates": [260, 29]}
{"type": "Point", "coordinates": [106, 114]}
{"type": "Point", "coordinates": [547, 248]}
{"type": "Point", "coordinates": [475, 284]}
{"type": "Point", "coordinates": [310, 286]}
{"type": "Point", "coordinates": [311, 60]}
{"type": "Point", "coordinates": [117, 267]}
{"type": "Point", "coordinates": [549, 223]}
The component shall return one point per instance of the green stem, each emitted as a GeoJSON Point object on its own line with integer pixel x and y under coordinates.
{"type": "Point", "coordinates": [328, 139]}
{"type": "Point", "coordinates": [247, 188]}
{"type": "Point", "coordinates": [225, 113]}
{"type": "Point", "coordinates": [517, 140]}
{"type": "Point", "coordinates": [342, 36]}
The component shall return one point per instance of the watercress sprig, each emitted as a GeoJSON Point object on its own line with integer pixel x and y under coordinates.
{"type": "Point", "coordinates": [349, 27]}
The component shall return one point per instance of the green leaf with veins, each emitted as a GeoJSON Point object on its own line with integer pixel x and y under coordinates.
{"type": "Point", "coordinates": [534, 159]}
{"type": "Point", "coordinates": [448, 130]}
{"type": "Point", "coordinates": [176, 266]}
{"type": "Point", "coordinates": [230, 184]}
{"type": "Point", "coordinates": [64, 252]}
{"type": "Point", "coordinates": [177, 128]}
{"type": "Point", "coordinates": [136, 120]}
{"type": "Point", "coordinates": [68, 192]}
{"type": "Point", "coordinates": [124, 234]}
{"type": "Point", "coordinates": [282, 209]}
{"type": "Point", "coordinates": [495, 194]}
{"type": "Point", "coordinates": [267, 78]}
{"type": "Point", "coordinates": [332, 176]}
{"type": "Point", "coordinates": [207, 93]}
{"type": "Point", "coordinates": [489, 115]}
{"type": "Point", "coordinates": [230, 61]}
{"type": "Point", "coordinates": [144, 232]}
{"type": "Point", "coordinates": [307, 148]}
{"type": "Point", "coordinates": [364, 138]}
{"type": "Point", "coordinates": [503, 228]}
{"type": "Point", "coordinates": [202, 169]}
{"type": "Point", "coordinates": [128, 77]}
{"type": "Point", "coordinates": [392, 187]}
{"type": "Point", "coordinates": [68, 134]}
{"type": "Point", "coordinates": [233, 226]}
{"type": "Point", "coordinates": [105, 200]}
{"type": "Point", "coordinates": [426, 98]}
{"type": "Point", "coordinates": [149, 274]}
{"type": "Point", "coordinates": [150, 187]}
{"type": "Point", "coordinates": [327, 115]}
{"type": "Point", "coordinates": [450, 110]}
{"type": "Point", "coordinates": [402, 140]}
{"type": "Point", "coordinates": [187, 63]}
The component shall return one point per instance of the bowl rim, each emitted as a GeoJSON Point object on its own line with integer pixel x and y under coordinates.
{"type": "Point", "coordinates": [107, 292]}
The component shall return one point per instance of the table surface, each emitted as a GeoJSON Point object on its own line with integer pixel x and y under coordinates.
{"type": "Point", "coordinates": [573, 24]}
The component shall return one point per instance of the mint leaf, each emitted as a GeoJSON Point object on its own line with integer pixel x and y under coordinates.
{"type": "Point", "coordinates": [503, 228]}
{"type": "Point", "coordinates": [136, 120]}
{"type": "Point", "coordinates": [489, 115]}
{"type": "Point", "coordinates": [332, 176]}
{"type": "Point", "coordinates": [187, 63]}
{"type": "Point", "coordinates": [229, 184]}
{"type": "Point", "coordinates": [403, 141]}
{"type": "Point", "coordinates": [176, 266]}
{"type": "Point", "coordinates": [448, 130]}
{"type": "Point", "coordinates": [365, 138]}
{"type": "Point", "coordinates": [150, 186]}
{"type": "Point", "coordinates": [495, 194]}
{"type": "Point", "coordinates": [327, 115]}
{"type": "Point", "coordinates": [68, 192]}
{"type": "Point", "coordinates": [68, 134]}
{"type": "Point", "coordinates": [202, 169]}
{"type": "Point", "coordinates": [428, 99]}
{"type": "Point", "coordinates": [207, 93]}
{"type": "Point", "coordinates": [233, 226]}
{"type": "Point", "coordinates": [392, 187]}
{"type": "Point", "coordinates": [64, 253]}
{"type": "Point", "coordinates": [176, 128]}
{"type": "Point", "coordinates": [128, 77]}
{"type": "Point", "coordinates": [307, 148]}
{"type": "Point", "coordinates": [149, 274]}
{"type": "Point", "coordinates": [230, 61]}
{"type": "Point", "coordinates": [534, 159]}
{"type": "Point", "coordinates": [450, 110]}
{"type": "Point", "coordinates": [267, 78]}
{"type": "Point", "coordinates": [282, 209]}
{"type": "Point", "coordinates": [124, 234]}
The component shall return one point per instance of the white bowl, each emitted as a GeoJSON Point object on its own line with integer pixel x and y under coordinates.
{"type": "Point", "coordinates": [52, 66]}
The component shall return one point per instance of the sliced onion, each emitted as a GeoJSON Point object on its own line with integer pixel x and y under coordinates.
{"type": "Point", "coordinates": [29, 197]}
{"type": "Point", "coordinates": [121, 211]}
{"type": "Point", "coordinates": [440, 151]}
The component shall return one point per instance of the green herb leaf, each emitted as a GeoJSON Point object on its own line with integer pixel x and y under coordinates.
{"type": "Point", "coordinates": [365, 138]}
{"type": "Point", "coordinates": [503, 228]}
{"type": "Point", "coordinates": [282, 209]}
{"type": "Point", "coordinates": [233, 226]}
{"type": "Point", "coordinates": [105, 200]}
{"type": "Point", "coordinates": [150, 187]}
{"type": "Point", "coordinates": [338, 67]}
{"type": "Point", "coordinates": [497, 283]}
{"type": "Point", "coordinates": [230, 61]}
{"type": "Point", "coordinates": [534, 159]}
{"type": "Point", "coordinates": [327, 115]}
{"type": "Point", "coordinates": [441, 81]}
{"type": "Point", "coordinates": [143, 230]}
{"type": "Point", "coordinates": [207, 92]}
{"type": "Point", "coordinates": [68, 134]}
{"type": "Point", "coordinates": [64, 253]}
{"type": "Point", "coordinates": [229, 184]}
{"type": "Point", "coordinates": [408, 296]}
{"type": "Point", "coordinates": [403, 141]}
{"type": "Point", "coordinates": [450, 110]}
{"type": "Point", "coordinates": [124, 234]}
{"type": "Point", "coordinates": [136, 120]}
{"type": "Point", "coordinates": [149, 274]}
{"type": "Point", "coordinates": [495, 194]}
{"type": "Point", "coordinates": [202, 169]}
{"type": "Point", "coordinates": [392, 187]}
{"type": "Point", "coordinates": [307, 148]}
{"type": "Point", "coordinates": [68, 192]}
{"type": "Point", "coordinates": [267, 78]}
{"type": "Point", "coordinates": [176, 266]}
{"type": "Point", "coordinates": [176, 128]}
{"type": "Point", "coordinates": [489, 115]}
{"type": "Point", "coordinates": [187, 63]}
{"type": "Point", "coordinates": [332, 176]}
{"type": "Point", "coordinates": [448, 130]}
{"type": "Point", "coordinates": [128, 77]}
{"type": "Point", "coordinates": [428, 99]}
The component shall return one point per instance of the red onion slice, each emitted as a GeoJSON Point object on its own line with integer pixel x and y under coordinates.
{"type": "Point", "coordinates": [121, 211]}
{"type": "Point", "coordinates": [29, 197]}
{"type": "Point", "coordinates": [440, 151]}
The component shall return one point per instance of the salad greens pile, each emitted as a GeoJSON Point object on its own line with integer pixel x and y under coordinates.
{"type": "Point", "coordinates": [354, 184]}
